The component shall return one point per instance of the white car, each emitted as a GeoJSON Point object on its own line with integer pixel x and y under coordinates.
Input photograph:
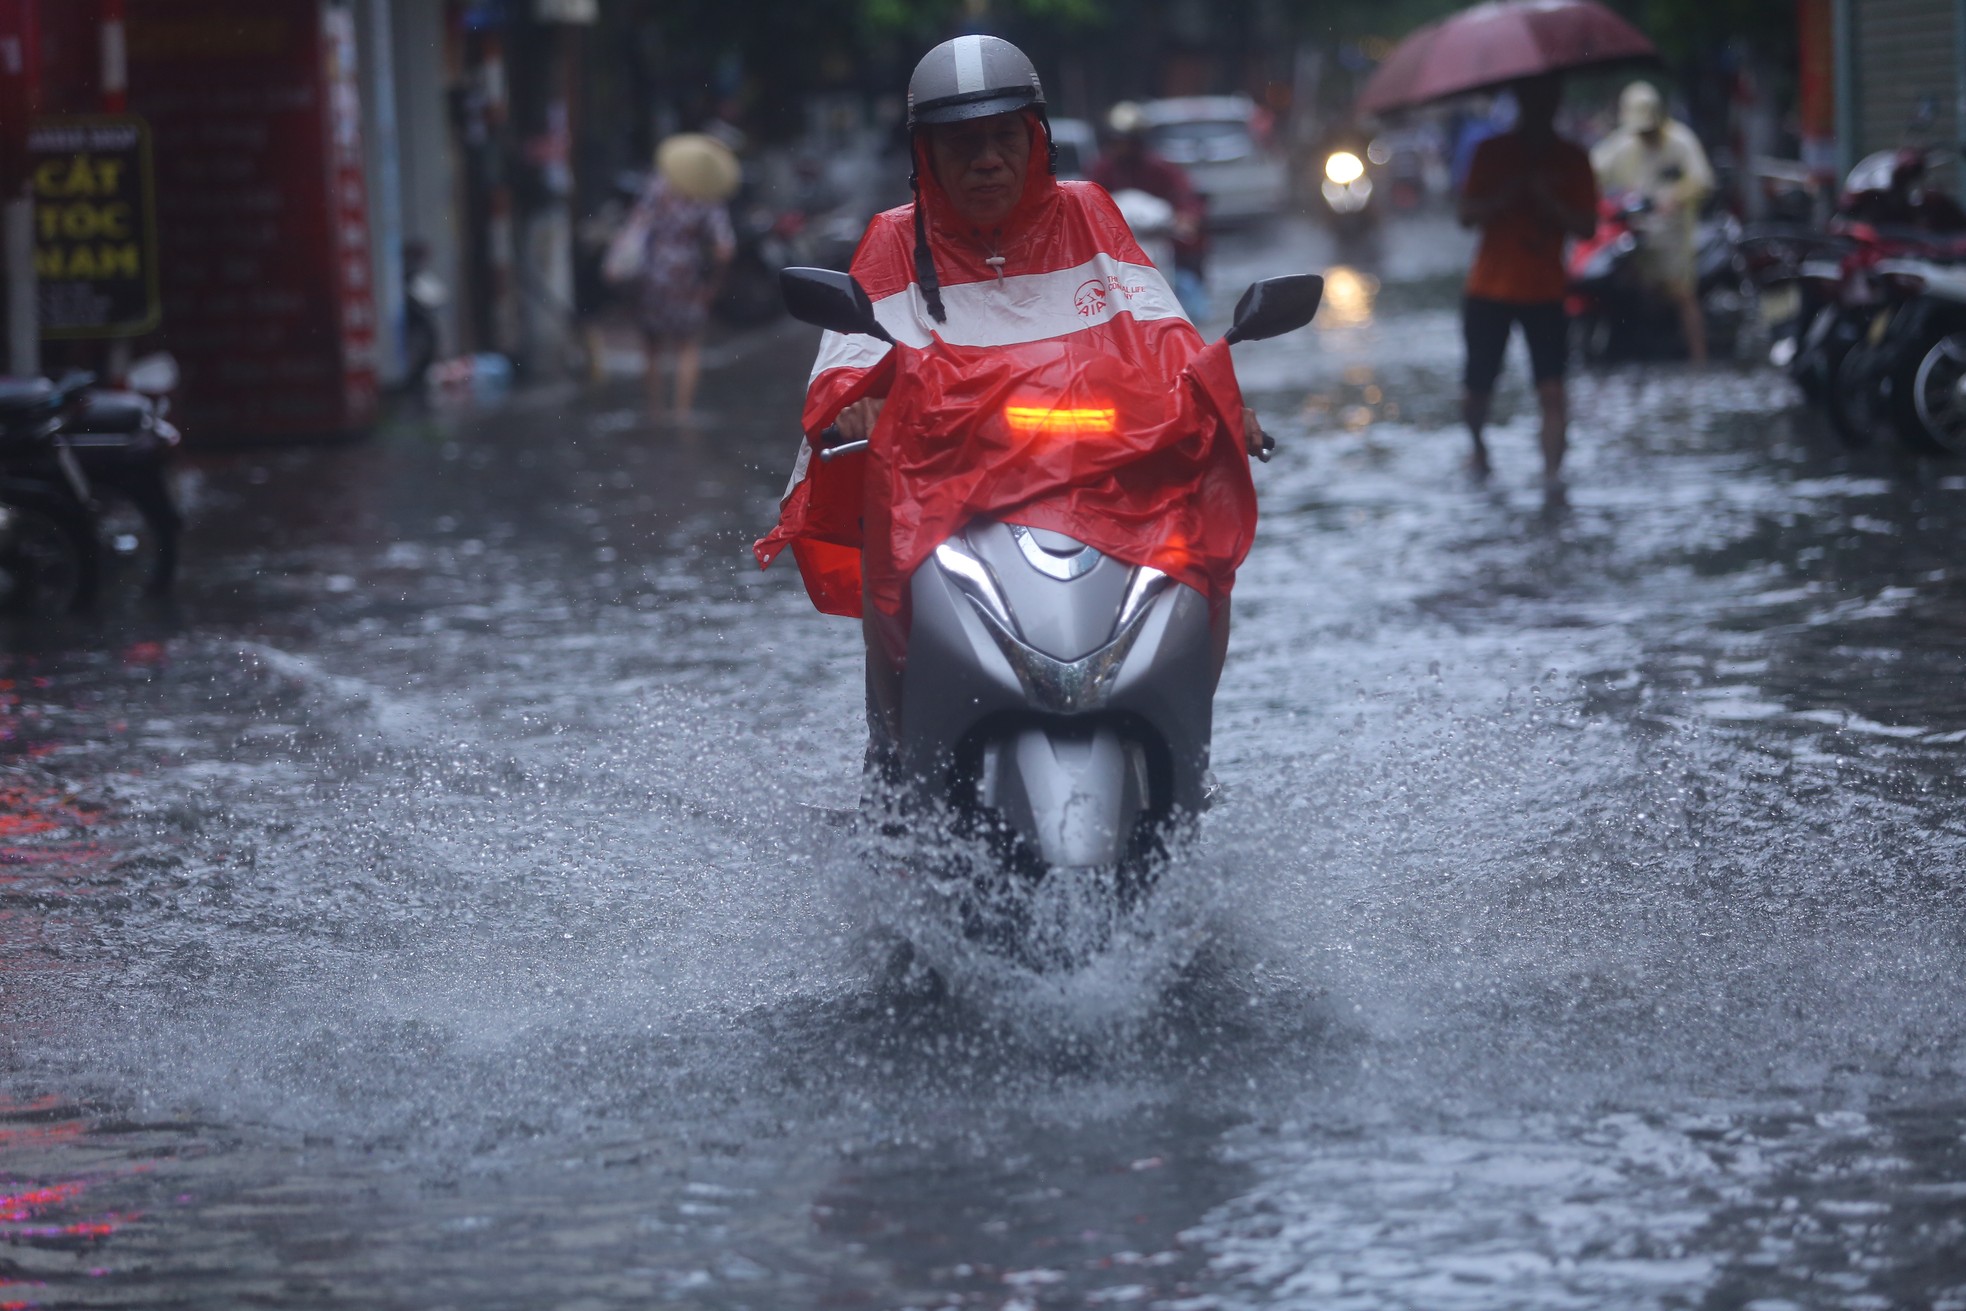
{"type": "Point", "coordinates": [1214, 139]}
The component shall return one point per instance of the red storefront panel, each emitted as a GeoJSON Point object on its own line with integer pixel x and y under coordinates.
{"type": "Point", "coordinates": [262, 236]}
{"type": "Point", "coordinates": [20, 48]}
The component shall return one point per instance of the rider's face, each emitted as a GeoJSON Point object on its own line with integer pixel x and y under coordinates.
{"type": "Point", "coordinates": [981, 163]}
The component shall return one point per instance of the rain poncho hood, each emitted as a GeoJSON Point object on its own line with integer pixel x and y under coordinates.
{"type": "Point", "coordinates": [1064, 390]}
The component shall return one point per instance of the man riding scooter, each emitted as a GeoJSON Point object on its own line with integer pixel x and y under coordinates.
{"type": "Point", "coordinates": [1028, 477]}
{"type": "Point", "coordinates": [1128, 164]}
{"type": "Point", "coordinates": [987, 207]}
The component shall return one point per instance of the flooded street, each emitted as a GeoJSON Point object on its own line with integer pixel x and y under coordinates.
{"type": "Point", "coordinates": [441, 905]}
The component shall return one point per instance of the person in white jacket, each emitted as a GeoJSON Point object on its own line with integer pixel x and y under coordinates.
{"type": "Point", "coordinates": [1659, 158]}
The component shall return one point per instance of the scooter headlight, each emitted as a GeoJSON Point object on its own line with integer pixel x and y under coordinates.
{"type": "Point", "coordinates": [973, 579]}
{"type": "Point", "coordinates": [1343, 167]}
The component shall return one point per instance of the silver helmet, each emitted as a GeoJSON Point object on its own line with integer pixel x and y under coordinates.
{"type": "Point", "coordinates": [972, 77]}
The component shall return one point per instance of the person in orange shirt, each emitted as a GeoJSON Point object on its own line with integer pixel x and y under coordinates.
{"type": "Point", "coordinates": [1527, 190]}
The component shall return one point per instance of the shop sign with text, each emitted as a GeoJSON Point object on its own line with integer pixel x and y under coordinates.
{"type": "Point", "coordinates": [95, 241]}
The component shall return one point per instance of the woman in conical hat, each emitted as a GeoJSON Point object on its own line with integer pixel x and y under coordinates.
{"type": "Point", "coordinates": [689, 243]}
{"type": "Point", "coordinates": [699, 166]}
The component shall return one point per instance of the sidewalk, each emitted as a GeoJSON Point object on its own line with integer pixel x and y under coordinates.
{"type": "Point", "coordinates": [617, 356]}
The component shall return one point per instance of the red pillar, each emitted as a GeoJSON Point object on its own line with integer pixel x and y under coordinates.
{"type": "Point", "coordinates": [113, 43]}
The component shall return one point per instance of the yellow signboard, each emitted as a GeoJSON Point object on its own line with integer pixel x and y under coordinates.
{"type": "Point", "coordinates": [95, 229]}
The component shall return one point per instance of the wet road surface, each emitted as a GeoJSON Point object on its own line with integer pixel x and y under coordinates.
{"type": "Point", "coordinates": [437, 906]}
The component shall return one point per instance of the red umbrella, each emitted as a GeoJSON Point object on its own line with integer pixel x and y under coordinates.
{"type": "Point", "coordinates": [1499, 42]}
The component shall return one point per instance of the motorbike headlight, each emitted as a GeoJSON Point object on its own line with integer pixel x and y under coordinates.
{"type": "Point", "coordinates": [972, 578]}
{"type": "Point", "coordinates": [1343, 167]}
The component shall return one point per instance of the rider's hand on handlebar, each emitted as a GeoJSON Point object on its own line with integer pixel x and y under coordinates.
{"type": "Point", "coordinates": [1258, 443]}
{"type": "Point", "coordinates": [857, 420]}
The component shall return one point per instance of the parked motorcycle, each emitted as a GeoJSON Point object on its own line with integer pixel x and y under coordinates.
{"type": "Point", "coordinates": [1889, 301]}
{"type": "Point", "coordinates": [1875, 352]}
{"type": "Point", "coordinates": [1795, 271]}
{"type": "Point", "coordinates": [125, 443]}
{"type": "Point", "coordinates": [1906, 372]}
{"type": "Point", "coordinates": [1837, 282]}
{"type": "Point", "coordinates": [50, 560]}
{"type": "Point", "coordinates": [1616, 315]}
{"type": "Point", "coordinates": [1051, 700]}
{"type": "Point", "coordinates": [85, 473]}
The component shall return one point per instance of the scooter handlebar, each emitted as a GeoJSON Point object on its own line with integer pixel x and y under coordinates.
{"type": "Point", "coordinates": [830, 446]}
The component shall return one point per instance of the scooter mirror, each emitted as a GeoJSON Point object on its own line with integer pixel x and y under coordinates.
{"type": "Point", "coordinates": [827, 298]}
{"type": "Point", "coordinates": [1275, 306]}
{"type": "Point", "coordinates": [154, 375]}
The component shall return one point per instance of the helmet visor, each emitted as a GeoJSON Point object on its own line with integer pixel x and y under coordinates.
{"type": "Point", "coordinates": [974, 104]}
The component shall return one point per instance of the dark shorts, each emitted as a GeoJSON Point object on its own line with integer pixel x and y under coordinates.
{"type": "Point", "coordinates": [1485, 326]}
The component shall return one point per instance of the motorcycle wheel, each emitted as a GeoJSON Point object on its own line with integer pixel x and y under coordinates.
{"type": "Point", "coordinates": [1820, 349]}
{"type": "Point", "coordinates": [1852, 398]}
{"type": "Point", "coordinates": [1936, 418]}
{"type": "Point", "coordinates": [137, 525]}
{"type": "Point", "coordinates": [51, 560]}
{"type": "Point", "coordinates": [1735, 330]}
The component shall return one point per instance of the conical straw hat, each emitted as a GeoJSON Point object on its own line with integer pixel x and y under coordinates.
{"type": "Point", "coordinates": [698, 166]}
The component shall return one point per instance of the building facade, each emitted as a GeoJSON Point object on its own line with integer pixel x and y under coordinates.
{"type": "Point", "coordinates": [1900, 79]}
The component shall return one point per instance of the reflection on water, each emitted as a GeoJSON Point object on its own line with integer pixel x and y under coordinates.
{"type": "Point", "coordinates": [1355, 403]}
{"type": "Point", "coordinates": [1348, 296]}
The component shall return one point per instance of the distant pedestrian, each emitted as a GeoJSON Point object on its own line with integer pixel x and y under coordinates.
{"type": "Point", "coordinates": [1651, 155]}
{"type": "Point", "coordinates": [672, 253]}
{"type": "Point", "coordinates": [1527, 190]}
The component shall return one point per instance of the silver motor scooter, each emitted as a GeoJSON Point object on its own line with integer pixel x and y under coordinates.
{"type": "Point", "coordinates": [1054, 700]}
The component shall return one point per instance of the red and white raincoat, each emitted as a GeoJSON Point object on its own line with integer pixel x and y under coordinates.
{"type": "Point", "coordinates": [1066, 390]}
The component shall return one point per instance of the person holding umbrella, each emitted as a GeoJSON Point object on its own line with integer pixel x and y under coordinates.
{"type": "Point", "coordinates": [1527, 191]}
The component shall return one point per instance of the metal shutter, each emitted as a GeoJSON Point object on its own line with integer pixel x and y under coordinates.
{"type": "Point", "coordinates": [1907, 57]}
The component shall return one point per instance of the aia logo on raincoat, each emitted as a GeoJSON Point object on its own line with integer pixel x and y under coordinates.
{"type": "Point", "coordinates": [1091, 298]}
